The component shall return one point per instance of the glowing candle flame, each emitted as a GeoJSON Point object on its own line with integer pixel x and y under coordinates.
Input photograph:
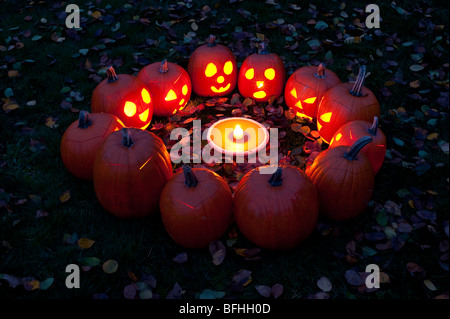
{"type": "Point", "coordinates": [238, 132]}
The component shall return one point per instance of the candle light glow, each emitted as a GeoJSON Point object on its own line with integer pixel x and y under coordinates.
{"type": "Point", "coordinates": [238, 132]}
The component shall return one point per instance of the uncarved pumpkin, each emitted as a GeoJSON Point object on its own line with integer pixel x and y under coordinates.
{"type": "Point", "coordinates": [169, 85]}
{"type": "Point", "coordinates": [196, 207]}
{"type": "Point", "coordinates": [262, 75]}
{"type": "Point", "coordinates": [350, 132]}
{"type": "Point", "coordinates": [344, 103]}
{"type": "Point", "coordinates": [344, 180]}
{"type": "Point", "coordinates": [212, 69]}
{"type": "Point", "coordinates": [82, 139]}
{"type": "Point", "coordinates": [305, 88]}
{"type": "Point", "coordinates": [124, 96]}
{"type": "Point", "coordinates": [130, 170]}
{"type": "Point", "coordinates": [276, 211]}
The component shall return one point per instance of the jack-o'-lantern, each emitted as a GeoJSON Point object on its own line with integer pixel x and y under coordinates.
{"type": "Point", "coordinates": [306, 87]}
{"type": "Point", "coordinates": [262, 75]}
{"type": "Point", "coordinates": [344, 103]}
{"type": "Point", "coordinates": [124, 96]}
{"type": "Point", "coordinates": [169, 85]}
{"type": "Point", "coordinates": [212, 69]}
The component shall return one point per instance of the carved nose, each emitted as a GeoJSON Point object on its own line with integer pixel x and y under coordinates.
{"type": "Point", "coordinates": [259, 84]}
{"type": "Point", "coordinates": [220, 79]}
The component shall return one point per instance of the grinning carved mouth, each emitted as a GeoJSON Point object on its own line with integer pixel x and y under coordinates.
{"type": "Point", "coordinates": [144, 115]}
{"type": "Point", "coordinates": [221, 89]}
{"type": "Point", "coordinates": [259, 94]}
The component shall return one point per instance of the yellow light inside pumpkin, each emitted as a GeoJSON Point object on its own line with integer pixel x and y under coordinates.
{"type": "Point", "coordinates": [299, 105]}
{"type": "Point", "coordinates": [129, 108]}
{"type": "Point", "coordinates": [238, 132]}
{"type": "Point", "coordinates": [294, 92]}
{"type": "Point", "coordinates": [184, 89]}
{"type": "Point", "coordinates": [326, 117]}
{"type": "Point", "coordinates": [220, 79]}
{"type": "Point", "coordinates": [171, 95]}
{"type": "Point", "coordinates": [259, 94]}
{"type": "Point", "coordinates": [269, 73]}
{"type": "Point", "coordinates": [310, 100]}
{"type": "Point", "coordinates": [181, 102]}
{"type": "Point", "coordinates": [259, 84]}
{"type": "Point", "coordinates": [250, 74]}
{"type": "Point", "coordinates": [228, 67]}
{"type": "Point", "coordinates": [145, 96]}
{"type": "Point", "coordinates": [211, 69]}
{"type": "Point", "coordinates": [144, 116]}
{"type": "Point", "coordinates": [338, 137]}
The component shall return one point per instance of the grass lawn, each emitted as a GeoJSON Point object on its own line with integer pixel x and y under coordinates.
{"type": "Point", "coordinates": [48, 73]}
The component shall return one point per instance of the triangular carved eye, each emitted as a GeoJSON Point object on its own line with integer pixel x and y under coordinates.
{"type": "Point", "coordinates": [228, 67]}
{"type": "Point", "coordinates": [129, 109]}
{"type": "Point", "coordinates": [269, 74]}
{"type": "Point", "coordinates": [326, 117]}
{"type": "Point", "coordinates": [294, 92]}
{"type": "Point", "coordinates": [211, 69]}
{"type": "Point", "coordinates": [310, 100]}
{"type": "Point", "coordinates": [171, 95]}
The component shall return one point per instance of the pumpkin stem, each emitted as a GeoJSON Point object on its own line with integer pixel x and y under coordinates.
{"type": "Point", "coordinates": [356, 90]}
{"type": "Point", "coordinates": [276, 179]}
{"type": "Point", "coordinates": [212, 41]}
{"type": "Point", "coordinates": [263, 48]}
{"type": "Point", "coordinates": [127, 141]}
{"type": "Point", "coordinates": [164, 68]}
{"type": "Point", "coordinates": [320, 71]}
{"type": "Point", "coordinates": [373, 129]}
{"type": "Point", "coordinates": [356, 147]}
{"type": "Point", "coordinates": [83, 119]}
{"type": "Point", "coordinates": [189, 177]}
{"type": "Point", "coordinates": [112, 76]}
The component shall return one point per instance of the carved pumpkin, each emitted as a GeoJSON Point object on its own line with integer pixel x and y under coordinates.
{"type": "Point", "coordinates": [130, 170]}
{"type": "Point", "coordinates": [262, 75]}
{"type": "Point", "coordinates": [278, 211]}
{"type": "Point", "coordinates": [344, 180]}
{"type": "Point", "coordinates": [196, 207]}
{"type": "Point", "coordinates": [124, 96]}
{"type": "Point", "coordinates": [350, 132]}
{"type": "Point", "coordinates": [169, 85]}
{"type": "Point", "coordinates": [344, 103]}
{"type": "Point", "coordinates": [213, 70]}
{"type": "Point", "coordinates": [306, 87]}
{"type": "Point", "coordinates": [82, 139]}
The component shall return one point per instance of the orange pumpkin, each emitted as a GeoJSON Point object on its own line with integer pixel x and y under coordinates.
{"type": "Point", "coordinates": [196, 207]}
{"type": "Point", "coordinates": [169, 85]}
{"type": "Point", "coordinates": [262, 75]}
{"type": "Point", "coordinates": [82, 139]}
{"type": "Point", "coordinates": [350, 132]}
{"type": "Point", "coordinates": [344, 180]}
{"type": "Point", "coordinates": [124, 96]}
{"type": "Point", "coordinates": [212, 69]}
{"type": "Point", "coordinates": [305, 88]}
{"type": "Point", "coordinates": [344, 103]}
{"type": "Point", "coordinates": [278, 211]}
{"type": "Point", "coordinates": [130, 170]}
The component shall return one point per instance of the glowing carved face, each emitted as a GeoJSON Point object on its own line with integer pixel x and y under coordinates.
{"type": "Point", "coordinates": [212, 71]}
{"type": "Point", "coordinates": [261, 76]}
{"type": "Point", "coordinates": [131, 110]}
{"type": "Point", "coordinates": [172, 96]}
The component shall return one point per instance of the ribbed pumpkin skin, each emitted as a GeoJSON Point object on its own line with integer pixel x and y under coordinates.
{"type": "Point", "coordinates": [195, 216]}
{"type": "Point", "coordinates": [344, 187]}
{"type": "Point", "coordinates": [276, 217]}
{"type": "Point", "coordinates": [79, 145]}
{"type": "Point", "coordinates": [308, 86]}
{"type": "Point", "coordinates": [350, 132]}
{"type": "Point", "coordinates": [128, 180]}
{"type": "Point", "coordinates": [343, 107]}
